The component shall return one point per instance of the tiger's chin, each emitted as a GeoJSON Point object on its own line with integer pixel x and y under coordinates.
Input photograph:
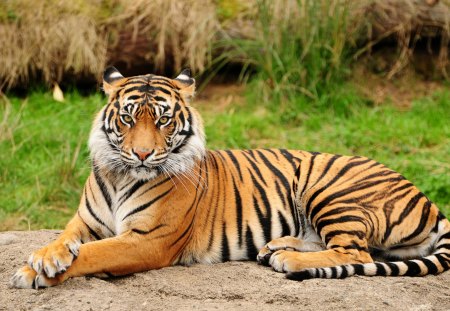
{"type": "Point", "coordinates": [144, 173]}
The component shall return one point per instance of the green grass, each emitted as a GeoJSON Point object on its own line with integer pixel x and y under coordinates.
{"type": "Point", "coordinates": [44, 159]}
{"type": "Point", "coordinates": [45, 162]}
{"type": "Point", "coordinates": [298, 49]}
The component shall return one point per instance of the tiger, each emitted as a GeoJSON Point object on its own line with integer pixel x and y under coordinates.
{"type": "Point", "coordinates": [157, 197]}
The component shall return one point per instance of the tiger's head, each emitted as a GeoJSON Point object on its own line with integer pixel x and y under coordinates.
{"type": "Point", "coordinates": [147, 127]}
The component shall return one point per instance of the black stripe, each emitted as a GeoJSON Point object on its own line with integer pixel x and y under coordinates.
{"type": "Point", "coordinates": [135, 97]}
{"type": "Point", "coordinates": [290, 158]}
{"type": "Point", "coordinates": [276, 171]}
{"type": "Point", "coordinates": [354, 245]}
{"type": "Point", "coordinates": [382, 173]}
{"type": "Point", "coordinates": [432, 269]}
{"type": "Point", "coordinates": [413, 268]}
{"type": "Point", "coordinates": [146, 205]}
{"type": "Point", "coordinates": [165, 91]}
{"type": "Point", "coordinates": [265, 221]}
{"type": "Point", "coordinates": [148, 231]}
{"type": "Point", "coordinates": [307, 176]}
{"type": "Point", "coordinates": [185, 232]}
{"type": "Point", "coordinates": [444, 262]}
{"type": "Point", "coordinates": [235, 162]}
{"type": "Point", "coordinates": [321, 272]}
{"type": "Point", "coordinates": [423, 222]}
{"type": "Point", "coordinates": [337, 176]}
{"type": "Point", "coordinates": [160, 99]}
{"type": "Point", "coordinates": [360, 234]}
{"type": "Point", "coordinates": [89, 208]}
{"type": "Point", "coordinates": [359, 269]}
{"type": "Point", "coordinates": [131, 191]}
{"type": "Point", "coordinates": [357, 200]}
{"type": "Point", "coordinates": [255, 168]}
{"type": "Point", "coordinates": [142, 88]}
{"type": "Point", "coordinates": [446, 245]}
{"type": "Point", "coordinates": [381, 270]}
{"type": "Point", "coordinates": [252, 251]}
{"type": "Point", "coordinates": [444, 236]}
{"type": "Point", "coordinates": [332, 212]}
{"type": "Point", "coordinates": [285, 229]}
{"type": "Point", "coordinates": [344, 273]}
{"type": "Point", "coordinates": [281, 195]}
{"type": "Point", "coordinates": [238, 203]}
{"type": "Point", "coordinates": [321, 224]}
{"type": "Point", "coordinates": [333, 272]}
{"type": "Point", "coordinates": [154, 186]}
{"type": "Point", "coordinates": [398, 189]}
{"type": "Point", "coordinates": [408, 209]}
{"type": "Point", "coordinates": [395, 271]}
{"type": "Point", "coordinates": [91, 231]}
{"type": "Point", "coordinates": [327, 167]}
{"type": "Point", "coordinates": [284, 181]}
{"type": "Point", "coordinates": [225, 246]}
{"type": "Point", "coordinates": [103, 188]}
{"type": "Point", "coordinates": [346, 191]}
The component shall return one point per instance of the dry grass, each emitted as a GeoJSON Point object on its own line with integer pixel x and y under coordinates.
{"type": "Point", "coordinates": [47, 40]}
{"type": "Point", "coordinates": [407, 22]}
{"type": "Point", "coordinates": [178, 32]}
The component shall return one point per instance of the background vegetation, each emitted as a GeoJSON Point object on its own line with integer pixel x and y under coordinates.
{"type": "Point", "coordinates": [322, 75]}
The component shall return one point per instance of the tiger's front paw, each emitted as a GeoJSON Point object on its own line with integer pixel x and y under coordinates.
{"type": "Point", "coordinates": [26, 277]}
{"type": "Point", "coordinates": [54, 258]}
{"type": "Point", "coordinates": [23, 278]}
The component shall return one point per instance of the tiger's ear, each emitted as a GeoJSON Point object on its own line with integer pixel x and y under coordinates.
{"type": "Point", "coordinates": [186, 84]}
{"type": "Point", "coordinates": [112, 79]}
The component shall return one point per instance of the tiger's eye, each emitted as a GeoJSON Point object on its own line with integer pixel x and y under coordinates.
{"type": "Point", "coordinates": [163, 120]}
{"type": "Point", "coordinates": [127, 118]}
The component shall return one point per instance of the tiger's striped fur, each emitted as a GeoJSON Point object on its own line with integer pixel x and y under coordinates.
{"type": "Point", "coordinates": [156, 197]}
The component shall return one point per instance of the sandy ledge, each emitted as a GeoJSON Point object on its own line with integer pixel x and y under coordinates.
{"type": "Point", "coordinates": [227, 286]}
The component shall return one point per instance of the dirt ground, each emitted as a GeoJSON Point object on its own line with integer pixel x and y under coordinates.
{"type": "Point", "coordinates": [227, 286]}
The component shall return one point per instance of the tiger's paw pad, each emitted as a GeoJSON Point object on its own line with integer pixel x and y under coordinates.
{"type": "Point", "coordinates": [285, 261]}
{"type": "Point", "coordinates": [54, 258]}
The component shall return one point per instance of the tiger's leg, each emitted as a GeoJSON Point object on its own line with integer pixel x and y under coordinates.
{"type": "Point", "coordinates": [121, 255]}
{"type": "Point", "coordinates": [56, 257]}
{"type": "Point", "coordinates": [287, 243]}
{"type": "Point", "coordinates": [346, 243]}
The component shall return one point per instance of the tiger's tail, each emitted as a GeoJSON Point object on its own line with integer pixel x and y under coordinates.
{"type": "Point", "coordinates": [437, 262]}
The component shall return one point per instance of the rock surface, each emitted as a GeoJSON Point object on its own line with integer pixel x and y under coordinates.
{"type": "Point", "coordinates": [227, 286]}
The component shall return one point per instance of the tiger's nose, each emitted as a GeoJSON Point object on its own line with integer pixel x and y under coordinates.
{"type": "Point", "coordinates": [142, 154]}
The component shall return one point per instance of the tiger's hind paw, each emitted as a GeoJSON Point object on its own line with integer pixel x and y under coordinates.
{"type": "Point", "coordinates": [286, 261]}
{"type": "Point", "coordinates": [288, 243]}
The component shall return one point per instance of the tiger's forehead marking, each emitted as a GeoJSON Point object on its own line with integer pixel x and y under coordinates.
{"type": "Point", "coordinates": [148, 91]}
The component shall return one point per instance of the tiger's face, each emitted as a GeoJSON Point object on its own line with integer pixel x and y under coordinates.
{"type": "Point", "coordinates": [147, 128]}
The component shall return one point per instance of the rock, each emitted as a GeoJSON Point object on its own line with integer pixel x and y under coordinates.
{"type": "Point", "coordinates": [7, 238]}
